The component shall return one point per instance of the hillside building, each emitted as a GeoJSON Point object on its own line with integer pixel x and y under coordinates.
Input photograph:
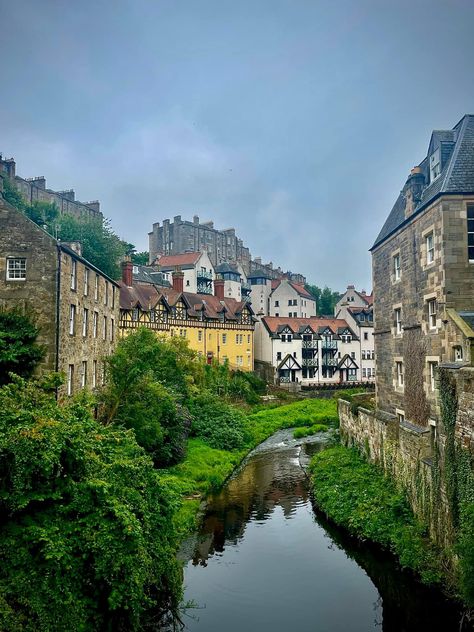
{"type": "Point", "coordinates": [289, 299]}
{"type": "Point", "coordinates": [199, 273]}
{"type": "Point", "coordinates": [73, 303]}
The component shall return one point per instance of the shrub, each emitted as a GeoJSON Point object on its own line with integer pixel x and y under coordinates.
{"type": "Point", "coordinates": [219, 424]}
{"type": "Point", "coordinates": [465, 550]}
{"type": "Point", "coordinates": [19, 352]}
{"type": "Point", "coordinates": [299, 433]}
{"type": "Point", "coordinates": [86, 535]}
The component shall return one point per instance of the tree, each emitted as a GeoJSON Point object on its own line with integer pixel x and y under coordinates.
{"type": "Point", "coordinates": [140, 258]}
{"type": "Point", "coordinates": [19, 351]}
{"type": "Point", "coordinates": [326, 299]}
{"type": "Point", "coordinates": [87, 538]}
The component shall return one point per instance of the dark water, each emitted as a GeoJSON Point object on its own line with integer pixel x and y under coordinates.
{"type": "Point", "coordinates": [264, 561]}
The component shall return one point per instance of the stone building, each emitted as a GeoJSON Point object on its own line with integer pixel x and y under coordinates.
{"type": "Point", "coordinates": [217, 327]}
{"type": "Point", "coordinates": [423, 273]}
{"type": "Point", "coordinates": [74, 304]}
{"type": "Point", "coordinates": [34, 190]}
{"type": "Point", "coordinates": [311, 351]}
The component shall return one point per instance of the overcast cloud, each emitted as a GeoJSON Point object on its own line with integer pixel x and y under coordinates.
{"type": "Point", "coordinates": [296, 122]}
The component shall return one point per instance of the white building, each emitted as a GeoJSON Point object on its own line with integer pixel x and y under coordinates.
{"type": "Point", "coordinates": [357, 309]}
{"type": "Point", "coordinates": [309, 350]}
{"type": "Point", "coordinates": [197, 268]}
{"type": "Point", "coordinates": [235, 281]}
{"type": "Point", "coordinates": [260, 290]}
{"type": "Point", "coordinates": [291, 300]}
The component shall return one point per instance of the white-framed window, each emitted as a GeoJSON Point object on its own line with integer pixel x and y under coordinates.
{"type": "Point", "coordinates": [399, 373]}
{"type": "Point", "coordinates": [85, 321]}
{"type": "Point", "coordinates": [16, 268]}
{"type": "Point", "coordinates": [432, 366]}
{"type": "Point", "coordinates": [366, 335]}
{"type": "Point", "coordinates": [435, 165]}
{"type": "Point", "coordinates": [458, 353]}
{"type": "Point", "coordinates": [72, 319]}
{"type": "Point", "coordinates": [432, 315]}
{"type": "Point", "coordinates": [397, 271]}
{"type": "Point", "coordinates": [363, 354]}
{"type": "Point", "coordinates": [400, 415]}
{"type": "Point", "coordinates": [95, 324]}
{"type": "Point", "coordinates": [86, 281]}
{"type": "Point", "coordinates": [430, 250]}
{"type": "Point", "coordinates": [364, 372]}
{"type": "Point", "coordinates": [70, 379]}
{"type": "Point", "coordinates": [470, 232]}
{"type": "Point", "coordinates": [73, 273]}
{"type": "Point", "coordinates": [94, 373]}
{"type": "Point", "coordinates": [96, 288]}
{"type": "Point", "coordinates": [277, 303]}
{"type": "Point", "coordinates": [84, 374]}
{"type": "Point", "coordinates": [398, 321]}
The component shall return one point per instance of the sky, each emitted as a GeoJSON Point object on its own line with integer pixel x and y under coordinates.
{"type": "Point", "coordinates": [294, 121]}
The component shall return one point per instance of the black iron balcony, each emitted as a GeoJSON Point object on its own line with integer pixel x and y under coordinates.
{"type": "Point", "coordinates": [310, 344]}
{"type": "Point", "coordinates": [310, 362]}
{"type": "Point", "coordinates": [329, 344]}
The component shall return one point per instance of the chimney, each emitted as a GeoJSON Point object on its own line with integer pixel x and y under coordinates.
{"type": "Point", "coordinates": [413, 189]}
{"type": "Point", "coordinates": [196, 219]}
{"type": "Point", "coordinates": [74, 245]}
{"type": "Point", "coordinates": [178, 280]}
{"type": "Point", "coordinates": [127, 273]}
{"type": "Point", "coordinates": [219, 288]}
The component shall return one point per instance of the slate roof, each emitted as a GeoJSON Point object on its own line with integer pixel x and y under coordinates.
{"type": "Point", "coordinates": [457, 173]}
{"type": "Point", "coordinates": [468, 317]}
{"type": "Point", "coordinates": [222, 268]}
{"type": "Point", "coordinates": [149, 274]}
{"type": "Point", "coordinates": [186, 260]}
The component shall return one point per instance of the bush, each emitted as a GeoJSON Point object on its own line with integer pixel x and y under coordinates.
{"type": "Point", "coordinates": [19, 352]}
{"type": "Point", "coordinates": [299, 433]}
{"type": "Point", "coordinates": [219, 424]}
{"type": "Point", "coordinates": [86, 537]}
{"type": "Point", "coordinates": [465, 550]}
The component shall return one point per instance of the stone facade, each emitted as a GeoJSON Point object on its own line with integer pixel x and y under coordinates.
{"type": "Point", "coordinates": [73, 303]}
{"type": "Point", "coordinates": [34, 190]}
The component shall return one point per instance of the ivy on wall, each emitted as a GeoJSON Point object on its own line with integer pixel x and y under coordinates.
{"type": "Point", "coordinates": [416, 406]}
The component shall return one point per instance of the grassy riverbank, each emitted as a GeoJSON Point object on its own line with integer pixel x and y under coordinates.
{"type": "Point", "coordinates": [357, 496]}
{"type": "Point", "coordinates": [205, 468]}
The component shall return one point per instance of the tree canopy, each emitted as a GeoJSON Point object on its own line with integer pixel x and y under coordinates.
{"type": "Point", "coordinates": [326, 299]}
{"type": "Point", "coordinates": [19, 351]}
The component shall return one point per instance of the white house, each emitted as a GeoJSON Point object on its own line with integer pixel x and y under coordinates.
{"type": "Point", "coordinates": [235, 281]}
{"type": "Point", "coordinates": [197, 269]}
{"type": "Point", "coordinates": [309, 350]}
{"type": "Point", "coordinates": [291, 300]}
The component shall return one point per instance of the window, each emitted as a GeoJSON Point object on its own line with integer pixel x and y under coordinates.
{"type": "Point", "coordinates": [16, 269]}
{"type": "Point", "coordinates": [400, 416]}
{"type": "Point", "coordinates": [86, 281]}
{"type": "Point", "coordinates": [278, 355]}
{"type": "Point", "coordinates": [70, 379]}
{"type": "Point", "coordinates": [366, 335]}
{"type": "Point", "coordinates": [113, 296]}
{"type": "Point", "coordinates": [470, 232]}
{"type": "Point", "coordinates": [72, 319]}
{"type": "Point", "coordinates": [432, 313]}
{"type": "Point", "coordinates": [135, 314]}
{"type": "Point", "coordinates": [112, 330]}
{"type": "Point", "coordinates": [277, 303]}
{"type": "Point", "coordinates": [429, 242]}
{"type": "Point", "coordinates": [399, 371]}
{"type": "Point", "coordinates": [398, 321]}
{"type": "Point", "coordinates": [85, 321]}
{"type": "Point", "coordinates": [353, 355]}
{"type": "Point", "coordinates": [396, 267]}
{"type": "Point", "coordinates": [277, 313]}
{"type": "Point", "coordinates": [94, 373]}
{"type": "Point", "coordinates": [106, 293]}
{"type": "Point", "coordinates": [290, 302]}
{"type": "Point", "coordinates": [248, 339]}
{"type": "Point", "coordinates": [105, 328]}
{"type": "Point", "coordinates": [95, 324]}
{"type": "Point", "coordinates": [224, 339]}
{"type": "Point", "coordinates": [84, 373]}
{"type": "Point", "coordinates": [200, 336]}
{"type": "Point", "coordinates": [432, 369]}
{"type": "Point", "coordinates": [96, 287]}
{"type": "Point", "coordinates": [363, 355]}
{"type": "Point", "coordinates": [73, 273]}
{"type": "Point", "coordinates": [458, 354]}
{"type": "Point", "coordinates": [364, 372]}
{"type": "Point", "coordinates": [435, 165]}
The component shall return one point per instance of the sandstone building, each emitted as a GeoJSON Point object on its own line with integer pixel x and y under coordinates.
{"type": "Point", "coordinates": [423, 273]}
{"type": "Point", "coordinates": [34, 190]}
{"type": "Point", "coordinates": [73, 303]}
{"type": "Point", "coordinates": [217, 327]}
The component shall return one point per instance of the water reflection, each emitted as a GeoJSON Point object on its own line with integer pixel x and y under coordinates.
{"type": "Point", "coordinates": [265, 561]}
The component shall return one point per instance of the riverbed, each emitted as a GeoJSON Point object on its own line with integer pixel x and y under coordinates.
{"type": "Point", "coordinates": [264, 560]}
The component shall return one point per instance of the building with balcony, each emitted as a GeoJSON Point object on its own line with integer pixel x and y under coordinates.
{"type": "Point", "coordinates": [308, 350]}
{"type": "Point", "coordinates": [197, 268]}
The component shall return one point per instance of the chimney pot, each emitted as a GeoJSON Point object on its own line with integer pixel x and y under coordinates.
{"type": "Point", "coordinates": [219, 288]}
{"type": "Point", "coordinates": [178, 280]}
{"type": "Point", "coordinates": [127, 273]}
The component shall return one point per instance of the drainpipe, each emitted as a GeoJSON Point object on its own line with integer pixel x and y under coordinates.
{"type": "Point", "coordinates": [58, 306]}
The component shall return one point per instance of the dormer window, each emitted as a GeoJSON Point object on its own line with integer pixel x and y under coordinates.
{"type": "Point", "coordinates": [435, 165]}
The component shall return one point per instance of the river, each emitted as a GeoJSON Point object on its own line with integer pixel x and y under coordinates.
{"type": "Point", "coordinates": [266, 561]}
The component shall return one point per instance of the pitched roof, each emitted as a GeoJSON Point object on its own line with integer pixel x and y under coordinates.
{"type": "Point", "coordinates": [187, 259]}
{"type": "Point", "coordinates": [149, 274]}
{"type": "Point", "coordinates": [227, 267]}
{"type": "Point", "coordinates": [147, 296]}
{"type": "Point", "coordinates": [299, 289]}
{"type": "Point", "coordinates": [274, 324]}
{"type": "Point", "coordinates": [457, 173]}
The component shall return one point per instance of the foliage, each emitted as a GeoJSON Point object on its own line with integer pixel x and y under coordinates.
{"type": "Point", "coordinates": [140, 258]}
{"type": "Point", "coordinates": [219, 424]}
{"type": "Point", "coordinates": [146, 382]}
{"type": "Point", "coordinates": [465, 551]}
{"type": "Point", "coordinates": [87, 534]}
{"type": "Point", "coordinates": [326, 299]}
{"type": "Point", "coordinates": [299, 433]}
{"type": "Point", "coordinates": [12, 195]}
{"type": "Point", "coordinates": [19, 351]}
{"type": "Point", "coordinates": [357, 496]}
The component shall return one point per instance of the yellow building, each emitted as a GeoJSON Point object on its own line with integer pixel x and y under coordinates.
{"type": "Point", "coordinates": [218, 328]}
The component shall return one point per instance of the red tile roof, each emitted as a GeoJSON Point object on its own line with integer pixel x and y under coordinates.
{"type": "Point", "coordinates": [274, 322]}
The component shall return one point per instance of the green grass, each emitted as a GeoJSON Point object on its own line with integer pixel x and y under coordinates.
{"type": "Point", "coordinates": [205, 469]}
{"type": "Point", "coordinates": [356, 495]}
{"type": "Point", "coordinates": [299, 433]}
